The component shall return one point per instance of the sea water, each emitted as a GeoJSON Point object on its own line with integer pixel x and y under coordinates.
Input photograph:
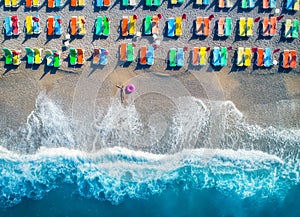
{"type": "Point", "coordinates": [46, 171]}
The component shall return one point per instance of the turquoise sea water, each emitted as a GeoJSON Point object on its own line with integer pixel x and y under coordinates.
{"type": "Point", "coordinates": [259, 178]}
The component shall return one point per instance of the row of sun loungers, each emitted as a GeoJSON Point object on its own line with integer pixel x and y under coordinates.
{"type": "Point", "coordinates": [128, 2]}
{"type": "Point", "coordinates": [268, 4]}
{"type": "Point", "coordinates": [292, 5]}
{"type": "Point", "coordinates": [202, 2]}
{"type": "Point", "coordinates": [243, 56]}
{"type": "Point", "coordinates": [150, 3]}
{"type": "Point", "coordinates": [147, 55]}
{"type": "Point", "coordinates": [225, 4]}
{"type": "Point", "coordinates": [77, 3]}
{"type": "Point", "coordinates": [100, 56]}
{"type": "Point", "coordinates": [102, 3]}
{"type": "Point", "coordinates": [128, 26]}
{"type": "Point", "coordinates": [248, 4]}
{"type": "Point", "coordinates": [34, 55]}
{"type": "Point", "coordinates": [289, 59]}
{"type": "Point", "coordinates": [32, 3]}
{"type": "Point", "coordinates": [54, 3]}
{"type": "Point", "coordinates": [176, 57]}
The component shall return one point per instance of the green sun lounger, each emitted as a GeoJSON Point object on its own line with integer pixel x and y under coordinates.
{"type": "Point", "coordinates": [157, 2]}
{"type": "Point", "coordinates": [180, 1]}
{"type": "Point", "coordinates": [148, 3]}
{"type": "Point", "coordinates": [223, 56]}
{"type": "Point", "coordinates": [99, 25]}
{"type": "Point", "coordinates": [148, 25]}
{"type": "Point", "coordinates": [172, 57]}
{"type": "Point", "coordinates": [73, 56]}
{"type": "Point", "coordinates": [106, 25]}
{"type": "Point", "coordinates": [8, 56]}
{"type": "Point", "coordinates": [295, 32]}
{"type": "Point", "coordinates": [244, 4]}
{"type": "Point", "coordinates": [30, 55]}
{"type": "Point", "coordinates": [228, 26]}
{"type": "Point", "coordinates": [125, 2]}
{"type": "Point", "coordinates": [130, 54]}
{"type": "Point", "coordinates": [56, 58]}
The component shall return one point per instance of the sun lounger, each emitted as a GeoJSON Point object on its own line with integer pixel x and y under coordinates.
{"type": "Point", "coordinates": [36, 24]}
{"type": "Point", "coordinates": [228, 4]}
{"type": "Point", "coordinates": [37, 56]}
{"type": "Point", "coordinates": [240, 56]}
{"type": "Point", "coordinates": [180, 57]}
{"type": "Point", "coordinates": [272, 4]}
{"type": "Point", "coordinates": [96, 56]}
{"type": "Point", "coordinates": [123, 51]}
{"type": "Point", "coordinates": [73, 25]}
{"type": "Point", "coordinates": [295, 31]}
{"type": "Point", "coordinates": [103, 56]}
{"type": "Point", "coordinates": [157, 3]}
{"type": "Point", "coordinates": [148, 25]}
{"type": "Point", "coordinates": [99, 3]}
{"type": "Point", "coordinates": [155, 22]}
{"type": "Point", "coordinates": [178, 26]}
{"type": "Point", "coordinates": [28, 24]}
{"type": "Point", "coordinates": [288, 28]}
{"type": "Point", "coordinates": [7, 3]}
{"type": "Point", "coordinates": [223, 56]}
{"type": "Point", "coordinates": [242, 26]}
{"type": "Point", "coordinates": [260, 57]}
{"type": "Point", "coordinates": [173, 2]}
{"type": "Point", "coordinates": [106, 26]}
{"type": "Point", "coordinates": [15, 25]}
{"type": "Point", "coordinates": [16, 57]}
{"type": "Point", "coordinates": [99, 26]}
{"type": "Point", "coordinates": [143, 52]}
{"type": "Point", "coordinates": [148, 3]}
{"type": "Point", "coordinates": [172, 57]}
{"type": "Point", "coordinates": [203, 57]}
{"type": "Point", "coordinates": [221, 25]}
{"type": "Point", "coordinates": [244, 4]}
{"type": "Point", "coordinates": [125, 26]}
{"type": "Point", "coordinates": [49, 57]}
{"type": "Point", "coordinates": [56, 58]}
{"type": "Point", "coordinates": [267, 57]}
{"type": "Point", "coordinates": [250, 26]}
{"type": "Point", "coordinates": [28, 3]}
{"type": "Point", "coordinates": [199, 26]}
{"type": "Point", "coordinates": [293, 59]}
{"type": "Point", "coordinates": [8, 26]}
{"type": "Point", "coordinates": [216, 56]}
{"type": "Point", "coordinates": [273, 25]}
{"type": "Point", "coordinates": [50, 25]}
{"type": "Point", "coordinates": [251, 3]}
{"type": "Point", "coordinates": [106, 3]}
{"type": "Point", "coordinates": [196, 56]}
{"type": "Point", "coordinates": [30, 55]}
{"type": "Point", "coordinates": [81, 3]}
{"type": "Point", "coordinates": [206, 26]}
{"type": "Point", "coordinates": [35, 3]}
{"type": "Point", "coordinates": [125, 2]}
{"type": "Point", "coordinates": [132, 24]}
{"type": "Point", "coordinates": [58, 3]}
{"type": "Point", "coordinates": [247, 57]}
{"type": "Point", "coordinates": [80, 56]}
{"type": "Point", "coordinates": [265, 30]}
{"type": "Point", "coordinates": [289, 4]}
{"type": "Point", "coordinates": [57, 25]}
{"type": "Point", "coordinates": [130, 52]}
{"type": "Point", "coordinates": [285, 59]}
{"type": "Point", "coordinates": [150, 55]}
{"type": "Point", "coordinates": [51, 4]}
{"type": "Point", "coordinates": [221, 3]}
{"type": "Point", "coordinates": [265, 4]}
{"type": "Point", "coordinates": [81, 25]}
{"type": "Point", "coordinates": [199, 2]}
{"type": "Point", "coordinates": [8, 56]}
{"type": "Point", "coordinates": [15, 3]}
{"type": "Point", "coordinates": [205, 2]}
{"type": "Point", "coordinates": [73, 3]}
{"type": "Point", "coordinates": [296, 5]}
{"type": "Point", "coordinates": [132, 2]}
{"type": "Point", "coordinates": [228, 26]}
{"type": "Point", "coordinates": [171, 27]}
{"type": "Point", "coordinates": [73, 56]}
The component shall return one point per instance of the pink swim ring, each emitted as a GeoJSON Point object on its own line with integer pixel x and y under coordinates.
{"type": "Point", "coordinates": [130, 88]}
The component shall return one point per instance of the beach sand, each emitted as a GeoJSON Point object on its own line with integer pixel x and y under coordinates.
{"type": "Point", "coordinates": [268, 97]}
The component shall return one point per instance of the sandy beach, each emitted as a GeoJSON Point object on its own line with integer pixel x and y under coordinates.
{"type": "Point", "coordinates": [261, 94]}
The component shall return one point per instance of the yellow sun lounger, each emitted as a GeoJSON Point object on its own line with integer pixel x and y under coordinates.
{"type": "Point", "coordinates": [296, 5]}
{"type": "Point", "coordinates": [132, 23]}
{"type": "Point", "coordinates": [250, 26]}
{"type": "Point", "coordinates": [37, 55]}
{"type": "Point", "coordinates": [81, 3]}
{"type": "Point", "coordinates": [178, 26]}
{"type": "Point", "coordinates": [288, 28]}
{"type": "Point", "coordinates": [15, 3]}
{"type": "Point", "coordinates": [173, 2]}
{"type": "Point", "coordinates": [28, 25]}
{"type": "Point", "coordinates": [240, 57]}
{"type": "Point", "coordinates": [81, 25]}
{"type": "Point", "coordinates": [203, 56]}
{"type": "Point", "coordinates": [247, 57]}
{"type": "Point", "coordinates": [7, 3]}
{"type": "Point", "coordinates": [16, 57]}
{"type": "Point", "coordinates": [35, 3]}
{"type": "Point", "coordinates": [242, 26]}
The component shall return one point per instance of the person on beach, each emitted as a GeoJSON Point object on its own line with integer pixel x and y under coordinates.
{"type": "Point", "coordinates": [122, 93]}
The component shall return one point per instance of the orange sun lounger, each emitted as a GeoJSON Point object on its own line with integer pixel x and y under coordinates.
{"type": "Point", "coordinates": [293, 59]}
{"type": "Point", "coordinates": [265, 26]}
{"type": "Point", "coordinates": [285, 60]}
{"type": "Point", "coordinates": [123, 51]}
{"type": "Point", "coordinates": [155, 21]}
{"type": "Point", "coordinates": [106, 2]}
{"type": "Point", "coordinates": [273, 24]}
{"type": "Point", "coordinates": [51, 4]}
{"type": "Point", "coordinates": [50, 25]}
{"type": "Point", "coordinates": [73, 25]}
{"type": "Point", "coordinates": [221, 24]}
{"type": "Point", "coordinates": [80, 56]}
{"type": "Point", "coordinates": [260, 57]}
{"type": "Point", "coordinates": [28, 3]}
{"type": "Point", "coordinates": [206, 26]}
{"type": "Point", "coordinates": [195, 61]}
{"type": "Point", "coordinates": [199, 28]}
{"type": "Point", "coordinates": [73, 3]}
{"type": "Point", "coordinates": [125, 26]}
{"type": "Point", "coordinates": [143, 53]}
{"type": "Point", "coordinates": [221, 3]}
{"type": "Point", "coordinates": [265, 4]}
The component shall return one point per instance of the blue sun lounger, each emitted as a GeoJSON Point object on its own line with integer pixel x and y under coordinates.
{"type": "Point", "coordinates": [36, 27]}
{"type": "Point", "coordinates": [103, 56]}
{"type": "Point", "coordinates": [150, 55]}
{"type": "Point", "coordinates": [57, 3]}
{"type": "Point", "coordinates": [180, 57]}
{"type": "Point", "coordinates": [289, 4]}
{"type": "Point", "coordinates": [171, 27]}
{"type": "Point", "coordinates": [251, 3]}
{"type": "Point", "coordinates": [272, 4]}
{"type": "Point", "coordinates": [205, 2]}
{"type": "Point", "coordinates": [99, 3]}
{"type": "Point", "coordinates": [57, 26]}
{"type": "Point", "coordinates": [267, 57]}
{"type": "Point", "coordinates": [216, 56]}
{"type": "Point", "coordinates": [8, 26]}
